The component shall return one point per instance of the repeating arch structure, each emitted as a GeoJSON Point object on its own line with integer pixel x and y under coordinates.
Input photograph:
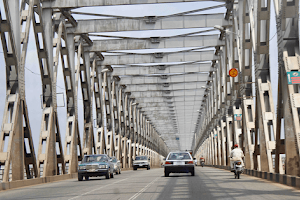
{"type": "Point", "coordinates": [148, 95]}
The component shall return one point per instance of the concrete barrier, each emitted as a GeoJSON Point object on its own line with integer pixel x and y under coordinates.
{"type": "Point", "coordinates": [35, 181]}
{"type": "Point", "coordinates": [297, 182]}
{"type": "Point", "coordinates": [293, 181]}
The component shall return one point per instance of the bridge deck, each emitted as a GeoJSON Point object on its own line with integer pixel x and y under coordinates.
{"type": "Point", "coordinates": [208, 183]}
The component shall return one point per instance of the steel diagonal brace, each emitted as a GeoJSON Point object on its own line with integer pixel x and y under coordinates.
{"type": "Point", "coordinates": [15, 50]}
{"type": "Point", "coordinates": [88, 134]}
{"type": "Point", "coordinates": [265, 113]}
{"type": "Point", "coordinates": [49, 127]}
{"type": "Point", "coordinates": [72, 141]}
{"type": "Point", "coordinates": [287, 19]}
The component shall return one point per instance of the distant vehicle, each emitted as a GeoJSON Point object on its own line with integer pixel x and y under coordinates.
{"type": "Point", "coordinates": [196, 161]}
{"type": "Point", "coordinates": [95, 165]}
{"type": "Point", "coordinates": [179, 162]}
{"type": "Point", "coordinates": [117, 165]}
{"type": "Point", "coordinates": [202, 161]}
{"type": "Point", "coordinates": [141, 162]}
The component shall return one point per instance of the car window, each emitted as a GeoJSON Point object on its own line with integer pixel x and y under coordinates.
{"type": "Point", "coordinates": [95, 158]}
{"type": "Point", "coordinates": [178, 156]}
{"type": "Point", "coordinates": [141, 158]}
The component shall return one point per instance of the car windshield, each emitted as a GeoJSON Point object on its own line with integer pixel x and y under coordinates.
{"type": "Point", "coordinates": [141, 158]}
{"type": "Point", "coordinates": [95, 158]}
{"type": "Point", "coordinates": [179, 156]}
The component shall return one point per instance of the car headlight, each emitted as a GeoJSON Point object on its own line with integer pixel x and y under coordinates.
{"type": "Point", "coordinates": [81, 167]}
{"type": "Point", "coordinates": [103, 166]}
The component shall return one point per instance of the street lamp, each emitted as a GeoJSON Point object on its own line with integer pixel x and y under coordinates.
{"type": "Point", "coordinates": [220, 28]}
{"type": "Point", "coordinates": [104, 70]}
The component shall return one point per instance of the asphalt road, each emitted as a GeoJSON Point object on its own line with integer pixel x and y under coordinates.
{"type": "Point", "coordinates": [208, 183]}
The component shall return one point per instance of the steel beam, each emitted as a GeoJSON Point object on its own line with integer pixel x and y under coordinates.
{"type": "Point", "coordinates": [196, 56]}
{"type": "Point", "coordinates": [175, 22]}
{"type": "Point", "coordinates": [147, 43]}
{"type": "Point", "coordinates": [161, 69]}
{"type": "Point", "coordinates": [93, 3]}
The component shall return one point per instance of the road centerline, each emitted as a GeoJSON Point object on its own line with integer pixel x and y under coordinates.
{"type": "Point", "coordinates": [142, 190]}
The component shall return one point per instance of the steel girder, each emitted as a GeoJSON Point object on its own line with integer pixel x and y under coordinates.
{"type": "Point", "coordinates": [173, 87]}
{"type": "Point", "coordinates": [161, 69]}
{"type": "Point", "coordinates": [173, 22]}
{"type": "Point", "coordinates": [195, 56]}
{"type": "Point", "coordinates": [159, 43]}
{"type": "Point", "coordinates": [287, 19]}
{"type": "Point", "coordinates": [82, 3]}
{"type": "Point", "coordinates": [15, 129]}
{"type": "Point", "coordinates": [256, 132]}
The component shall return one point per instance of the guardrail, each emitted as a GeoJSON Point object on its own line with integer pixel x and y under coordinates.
{"type": "Point", "coordinates": [293, 181]}
{"type": "Point", "coordinates": [35, 181]}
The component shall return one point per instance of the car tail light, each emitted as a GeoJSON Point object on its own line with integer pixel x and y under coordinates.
{"type": "Point", "coordinates": [168, 163]}
{"type": "Point", "coordinates": [189, 162]}
{"type": "Point", "coordinates": [239, 163]}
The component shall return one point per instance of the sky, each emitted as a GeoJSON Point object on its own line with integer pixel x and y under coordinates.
{"type": "Point", "coordinates": [33, 80]}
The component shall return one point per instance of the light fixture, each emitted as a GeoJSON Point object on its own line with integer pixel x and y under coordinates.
{"type": "Point", "coordinates": [220, 28]}
{"type": "Point", "coordinates": [104, 70]}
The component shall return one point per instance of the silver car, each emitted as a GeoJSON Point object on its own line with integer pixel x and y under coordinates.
{"type": "Point", "coordinates": [117, 165]}
{"type": "Point", "coordinates": [179, 162]}
{"type": "Point", "coordinates": [95, 165]}
{"type": "Point", "coordinates": [141, 162]}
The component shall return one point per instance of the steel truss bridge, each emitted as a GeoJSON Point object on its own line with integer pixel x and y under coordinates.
{"type": "Point", "coordinates": [151, 94]}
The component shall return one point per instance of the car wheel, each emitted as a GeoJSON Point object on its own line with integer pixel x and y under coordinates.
{"type": "Point", "coordinates": [193, 173]}
{"type": "Point", "coordinates": [79, 177]}
{"type": "Point", "coordinates": [107, 176]}
{"type": "Point", "coordinates": [117, 172]}
{"type": "Point", "coordinates": [120, 171]}
{"type": "Point", "coordinates": [167, 174]}
{"type": "Point", "coordinates": [87, 178]}
{"type": "Point", "coordinates": [134, 168]}
{"type": "Point", "coordinates": [148, 168]}
{"type": "Point", "coordinates": [111, 175]}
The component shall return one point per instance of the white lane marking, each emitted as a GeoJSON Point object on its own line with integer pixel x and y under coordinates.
{"type": "Point", "coordinates": [98, 189]}
{"type": "Point", "coordinates": [142, 190]}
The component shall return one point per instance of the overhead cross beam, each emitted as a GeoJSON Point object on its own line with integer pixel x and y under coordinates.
{"type": "Point", "coordinates": [155, 43]}
{"type": "Point", "coordinates": [176, 22]}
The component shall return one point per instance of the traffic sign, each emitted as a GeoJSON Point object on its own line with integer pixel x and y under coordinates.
{"type": "Point", "coordinates": [293, 77]}
{"type": "Point", "coordinates": [237, 117]}
{"type": "Point", "coordinates": [233, 72]}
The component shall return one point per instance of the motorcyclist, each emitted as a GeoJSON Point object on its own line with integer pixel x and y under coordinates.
{"type": "Point", "coordinates": [202, 161]}
{"type": "Point", "coordinates": [236, 155]}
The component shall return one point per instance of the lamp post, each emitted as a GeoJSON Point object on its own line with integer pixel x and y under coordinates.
{"type": "Point", "coordinates": [220, 28]}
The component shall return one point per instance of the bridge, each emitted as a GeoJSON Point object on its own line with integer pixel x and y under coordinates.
{"type": "Point", "coordinates": [146, 77]}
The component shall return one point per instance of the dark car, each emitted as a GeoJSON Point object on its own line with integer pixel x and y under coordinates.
{"type": "Point", "coordinates": [179, 162]}
{"type": "Point", "coordinates": [95, 165]}
{"type": "Point", "coordinates": [116, 165]}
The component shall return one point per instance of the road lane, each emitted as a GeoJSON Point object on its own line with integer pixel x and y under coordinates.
{"type": "Point", "coordinates": [208, 183]}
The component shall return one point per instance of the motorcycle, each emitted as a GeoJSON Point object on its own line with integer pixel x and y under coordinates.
{"type": "Point", "coordinates": [202, 163]}
{"type": "Point", "coordinates": [237, 169]}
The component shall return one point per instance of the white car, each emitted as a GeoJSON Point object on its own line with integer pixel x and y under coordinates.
{"type": "Point", "coordinates": [179, 162]}
{"type": "Point", "coordinates": [141, 162]}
